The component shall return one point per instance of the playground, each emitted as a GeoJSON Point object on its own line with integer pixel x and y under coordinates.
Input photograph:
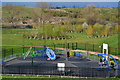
{"type": "Point", "coordinates": [62, 62]}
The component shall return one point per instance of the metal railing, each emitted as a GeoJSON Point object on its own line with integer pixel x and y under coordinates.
{"type": "Point", "coordinates": [67, 71]}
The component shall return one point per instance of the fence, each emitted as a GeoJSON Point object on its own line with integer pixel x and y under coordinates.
{"type": "Point", "coordinates": [67, 71]}
{"type": "Point", "coordinates": [88, 47]}
{"type": "Point", "coordinates": [53, 70]}
{"type": "Point", "coordinates": [81, 46]}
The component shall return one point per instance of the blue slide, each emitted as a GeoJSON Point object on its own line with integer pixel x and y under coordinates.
{"type": "Point", "coordinates": [50, 53]}
{"type": "Point", "coordinates": [103, 55]}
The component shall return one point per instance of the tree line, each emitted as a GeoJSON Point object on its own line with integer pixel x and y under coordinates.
{"type": "Point", "coordinates": [95, 22]}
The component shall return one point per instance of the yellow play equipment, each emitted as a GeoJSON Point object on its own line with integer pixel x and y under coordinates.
{"type": "Point", "coordinates": [72, 52]}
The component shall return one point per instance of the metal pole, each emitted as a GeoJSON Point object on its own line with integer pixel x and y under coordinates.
{"type": "Point", "coordinates": [68, 45]}
{"type": "Point", "coordinates": [73, 46]}
{"type": "Point", "coordinates": [32, 61]}
{"type": "Point", "coordinates": [4, 53]}
{"type": "Point", "coordinates": [64, 45]}
{"type": "Point", "coordinates": [12, 51]}
{"type": "Point", "coordinates": [109, 50]}
{"type": "Point", "coordinates": [23, 49]}
{"type": "Point", "coordinates": [93, 47]}
{"type": "Point", "coordinates": [76, 45]}
{"type": "Point", "coordinates": [116, 51]}
{"type": "Point", "coordinates": [85, 46]}
{"type": "Point", "coordinates": [54, 45]}
{"type": "Point", "coordinates": [101, 49]}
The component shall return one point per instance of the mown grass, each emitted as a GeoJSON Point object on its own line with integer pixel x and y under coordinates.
{"type": "Point", "coordinates": [58, 79]}
{"type": "Point", "coordinates": [21, 77]}
{"type": "Point", "coordinates": [15, 37]}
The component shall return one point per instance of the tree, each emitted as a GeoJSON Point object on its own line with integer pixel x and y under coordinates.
{"type": "Point", "coordinates": [91, 14]}
{"type": "Point", "coordinates": [105, 32]}
{"type": "Point", "coordinates": [90, 31]}
{"type": "Point", "coordinates": [42, 18]}
{"type": "Point", "coordinates": [109, 28]}
{"type": "Point", "coordinates": [44, 13]}
{"type": "Point", "coordinates": [78, 28]}
{"type": "Point", "coordinates": [84, 26]}
{"type": "Point", "coordinates": [117, 28]}
{"type": "Point", "coordinates": [98, 28]}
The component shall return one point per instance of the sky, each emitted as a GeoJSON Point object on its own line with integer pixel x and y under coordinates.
{"type": "Point", "coordinates": [59, 0]}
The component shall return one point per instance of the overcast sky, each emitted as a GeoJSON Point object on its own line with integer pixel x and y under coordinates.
{"type": "Point", "coordinates": [60, 0]}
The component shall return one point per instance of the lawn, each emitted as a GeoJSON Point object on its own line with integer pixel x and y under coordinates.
{"type": "Point", "coordinates": [18, 77]}
{"type": "Point", "coordinates": [15, 37]}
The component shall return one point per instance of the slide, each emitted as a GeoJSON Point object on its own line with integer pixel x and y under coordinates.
{"type": "Point", "coordinates": [50, 53]}
{"type": "Point", "coordinates": [107, 61]}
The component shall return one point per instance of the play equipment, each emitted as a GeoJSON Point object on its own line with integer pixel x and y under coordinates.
{"type": "Point", "coordinates": [49, 52]}
{"type": "Point", "coordinates": [29, 53]}
{"type": "Point", "coordinates": [42, 51]}
{"type": "Point", "coordinates": [78, 55]}
{"type": "Point", "coordinates": [75, 53]}
{"type": "Point", "coordinates": [107, 61]}
{"type": "Point", "coordinates": [106, 58]}
{"type": "Point", "coordinates": [71, 52]}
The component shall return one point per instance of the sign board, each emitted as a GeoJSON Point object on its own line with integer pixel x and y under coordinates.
{"type": "Point", "coordinates": [105, 46]}
{"type": "Point", "coordinates": [105, 49]}
{"type": "Point", "coordinates": [60, 64]}
{"type": "Point", "coordinates": [61, 67]}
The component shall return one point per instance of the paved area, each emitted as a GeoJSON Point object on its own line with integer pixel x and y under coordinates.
{"type": "Point", "coordinates": [41, 66]}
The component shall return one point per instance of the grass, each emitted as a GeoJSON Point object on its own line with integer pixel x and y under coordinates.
{"type": "Point", "coordinates": [22, 77]}
{"type": "Point", "coordinates": [15, 37]}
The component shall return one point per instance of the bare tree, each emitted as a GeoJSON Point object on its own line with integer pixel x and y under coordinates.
{"type": "Point", "coordinates": [44, 13]}
{"type": "Point", "coordinates": [91, 14]}
{"type": "Point", "coordinates": [43, 17]}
